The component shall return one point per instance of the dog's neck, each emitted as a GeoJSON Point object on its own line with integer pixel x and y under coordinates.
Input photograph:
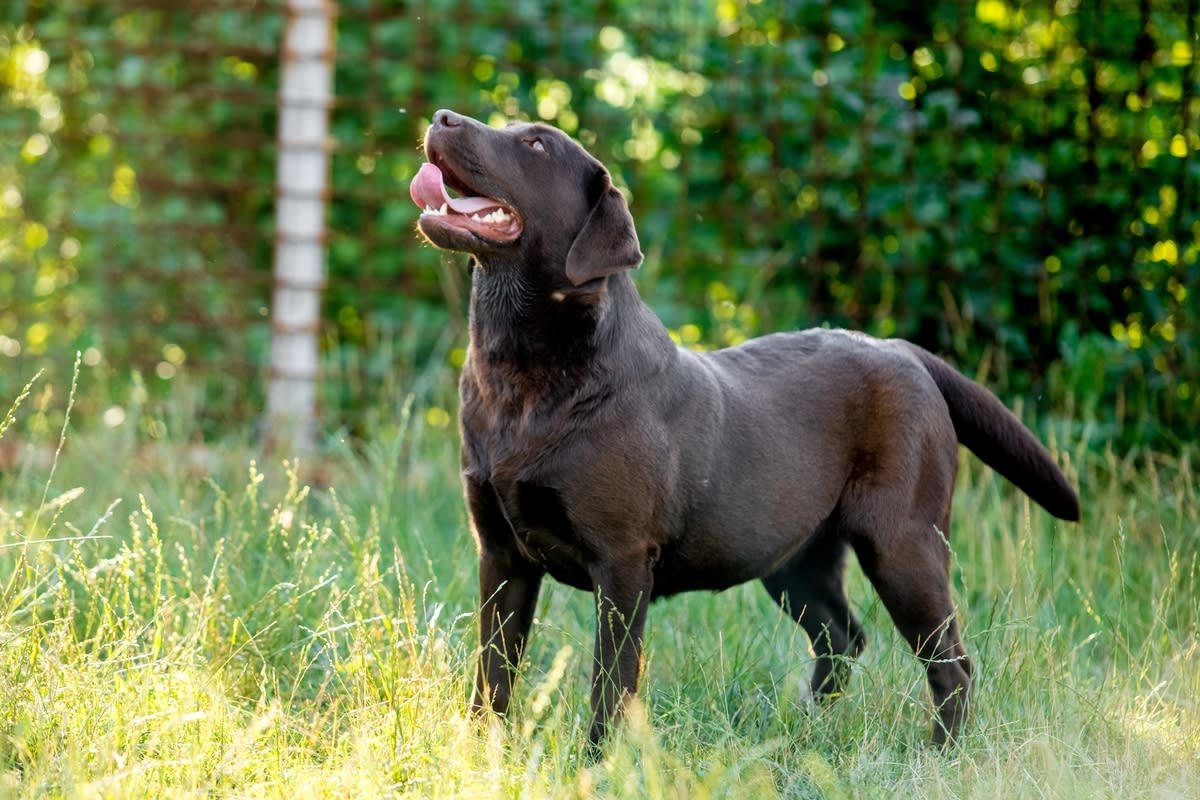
{"type": "Point", "coordinates": [525, 332]}
{"type": "Point", "coordinates": [515, 319]}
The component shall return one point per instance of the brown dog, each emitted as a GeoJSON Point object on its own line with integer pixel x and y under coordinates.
{"type": "Point", "coordinates": [595, 450]}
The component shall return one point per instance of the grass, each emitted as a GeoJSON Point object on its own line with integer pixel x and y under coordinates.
{"type": "Point", "coordinates": [179, 621]}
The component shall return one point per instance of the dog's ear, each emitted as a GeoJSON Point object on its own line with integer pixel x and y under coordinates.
{"type": "Point", "coordinates": [608, 242]}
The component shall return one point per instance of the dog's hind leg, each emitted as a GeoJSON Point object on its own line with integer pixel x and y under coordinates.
{"type": "Point", "coordinates": [909, 566]}
{"type": "Point", "coordinates": [810, 589]}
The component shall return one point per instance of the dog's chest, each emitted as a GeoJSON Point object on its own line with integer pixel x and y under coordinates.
{"type": "Point", "coordinates": [543, 531]}
{"type": "Point", "coordinates": [511, 433]}
{"type": "Point", "coordinates": [506, 447]}
{"type": "Point", "coordinates": [513, 455]}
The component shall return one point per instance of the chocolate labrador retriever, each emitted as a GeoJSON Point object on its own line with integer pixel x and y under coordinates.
{"type": "Point", "coordinates": [596, 451]}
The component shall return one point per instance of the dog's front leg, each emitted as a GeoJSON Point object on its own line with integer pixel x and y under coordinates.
{"type": "Point", "coordinates": [508, 592]}
{"type": "Point", "coordinates": [507, 601]}
{"type": "Point", "coordinates": [623, 590]}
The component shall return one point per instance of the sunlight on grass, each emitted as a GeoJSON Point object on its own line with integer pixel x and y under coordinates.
{"type": "Point", "coordinates": [297, 630]}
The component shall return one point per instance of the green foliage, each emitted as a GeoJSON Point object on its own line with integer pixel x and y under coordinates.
{"type": "Point", "coordinates": [1011, 184]}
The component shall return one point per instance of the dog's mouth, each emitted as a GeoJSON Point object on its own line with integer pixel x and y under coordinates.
{"type": "Point", "coordinates": [484, 217]}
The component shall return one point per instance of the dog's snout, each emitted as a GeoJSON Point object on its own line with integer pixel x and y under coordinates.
{"type": "Point", "coordinates": [445, 118]}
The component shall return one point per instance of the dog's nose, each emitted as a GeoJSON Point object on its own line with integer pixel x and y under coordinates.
{"type": "Point", "coordinates": [446, 118]}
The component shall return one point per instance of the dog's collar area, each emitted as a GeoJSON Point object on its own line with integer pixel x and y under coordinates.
{"type": "Point", "coordinates": [483, 216]}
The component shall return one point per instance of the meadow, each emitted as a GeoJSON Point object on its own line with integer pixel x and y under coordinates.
{"type": "Point", "coordinates": [181, 620]}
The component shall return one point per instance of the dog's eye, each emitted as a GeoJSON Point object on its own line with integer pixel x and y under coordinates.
{"type": "Point", "coordinates": [536, 144]}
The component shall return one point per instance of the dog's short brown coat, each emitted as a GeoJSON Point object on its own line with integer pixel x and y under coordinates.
{"type": "Point", "coordinates": [596, 451]}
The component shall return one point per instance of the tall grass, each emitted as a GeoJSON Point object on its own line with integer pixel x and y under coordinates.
{"type": "Point", "coordinates": [183, 621]}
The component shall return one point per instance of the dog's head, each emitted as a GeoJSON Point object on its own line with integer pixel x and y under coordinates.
{"type": "Point", "coordinates": [527, 194]}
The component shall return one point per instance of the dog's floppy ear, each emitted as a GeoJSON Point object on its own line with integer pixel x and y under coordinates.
{"type": "Point", "coordinates": [608, 242]}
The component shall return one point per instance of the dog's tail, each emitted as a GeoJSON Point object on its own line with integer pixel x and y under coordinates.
{"type": "Point", "coordinates": [994, 434]}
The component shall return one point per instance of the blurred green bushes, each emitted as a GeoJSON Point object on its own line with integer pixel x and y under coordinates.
{"type": "Point", "coordinates": [1011, 184]}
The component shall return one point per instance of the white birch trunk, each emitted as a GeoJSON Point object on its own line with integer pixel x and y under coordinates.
{"type": "Point", "coordinates": [305, 96]}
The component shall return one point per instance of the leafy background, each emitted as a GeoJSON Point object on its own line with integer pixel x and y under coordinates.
{"type": "Point", "coordinates": [1012, 184]}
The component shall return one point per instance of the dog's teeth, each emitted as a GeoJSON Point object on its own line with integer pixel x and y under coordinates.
{"type": "Point", "coordinates": [496, 217]}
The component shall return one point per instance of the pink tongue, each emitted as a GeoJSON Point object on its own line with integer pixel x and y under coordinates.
{"type": "Point", "coordinates": [428, 190]}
